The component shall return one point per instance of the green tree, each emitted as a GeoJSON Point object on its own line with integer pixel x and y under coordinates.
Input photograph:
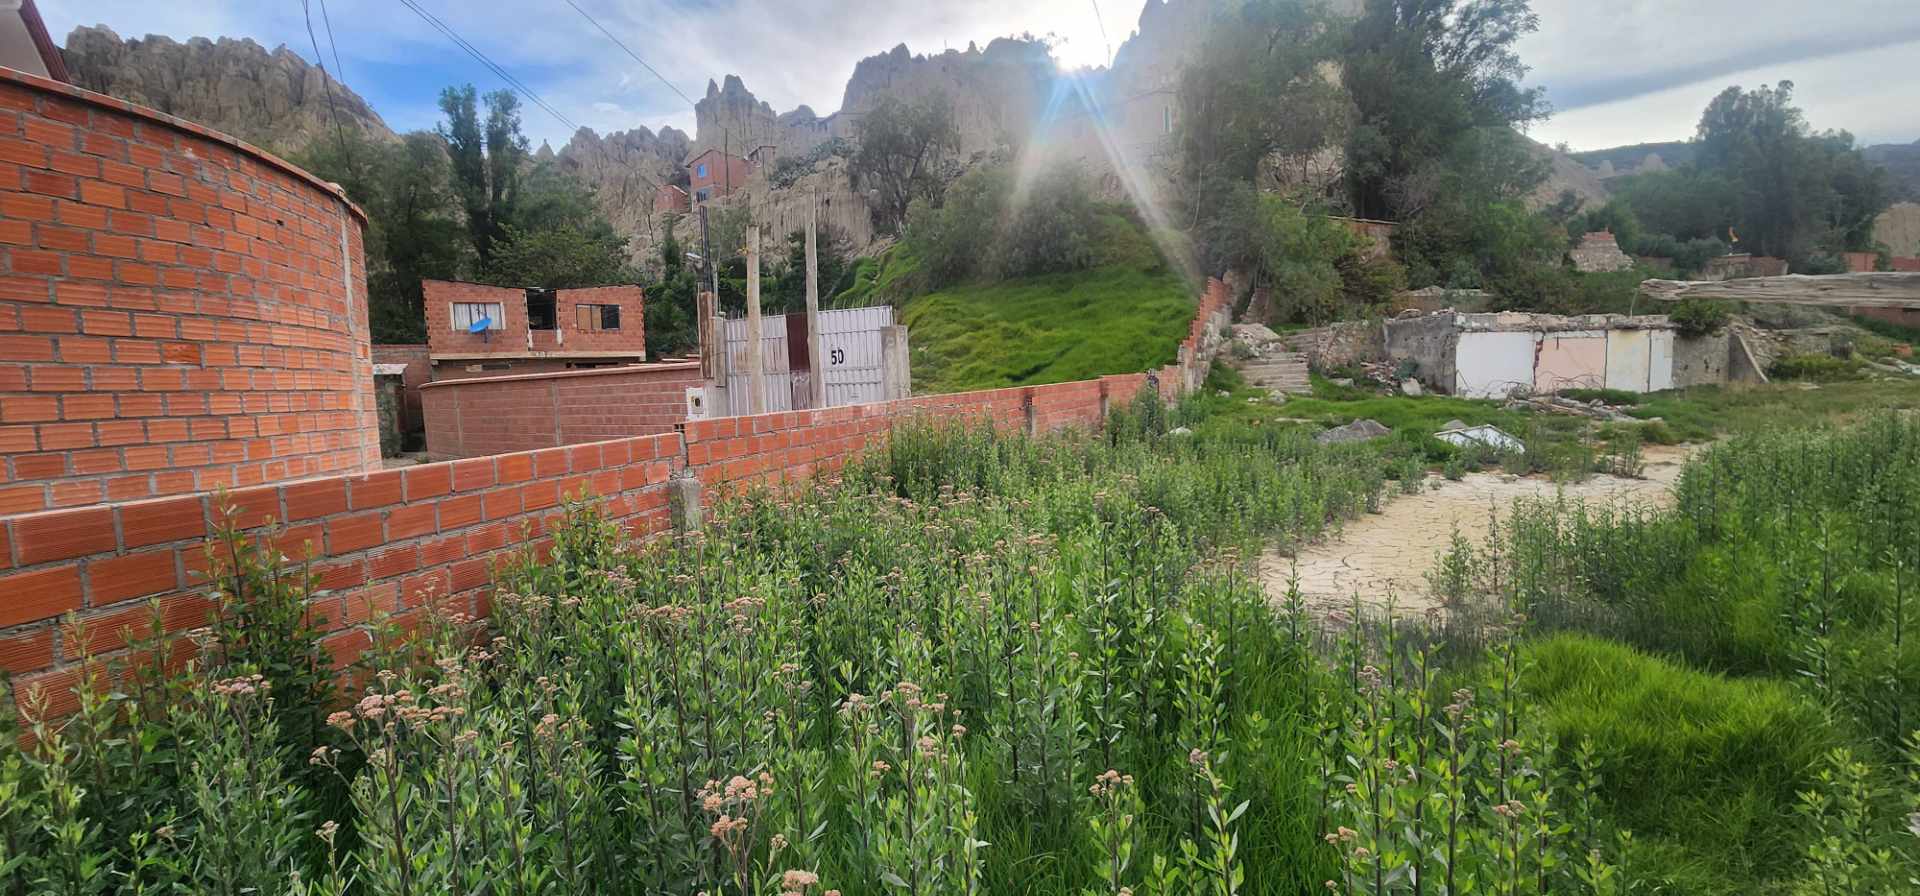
{"type": "Point", "coordinates": [486, 162]}
{"type": "Point", "coordinates": [1799, 192]}
{"type": "Point", "coordinates": [1259, 93]}
{"type": "Point", "coordinates": [671, 301]}
{"type": "Point", "coordinates": [563, 257]}
{"type": "Point", "coordinates": [414, 227]}
{"type": "Point", "coordinates": [1686, 203]}
{"type": "Point", "coordinates": [901, 146]}
{"type": "Point", "coordinates": [1435, 86]}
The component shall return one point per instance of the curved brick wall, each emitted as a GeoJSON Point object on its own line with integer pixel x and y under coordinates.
{"type": "Point", "coordinates": [178, 310]}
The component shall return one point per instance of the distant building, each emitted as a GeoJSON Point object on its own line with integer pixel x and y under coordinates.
{"type": "Point", "coordinates": [713, 174]}
{"type": "Point", "coordinates": [669, 198]}
{"type": "Point", "coordinates": [475, 330]}
{"type": "Point", "coordinates": [1598, 252]}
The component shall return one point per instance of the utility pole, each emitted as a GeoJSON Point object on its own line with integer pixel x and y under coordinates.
{"type": "Point", "coordinates": [819, 377]}
{"type": "Point", "coordinates": [706, 248]}
{"type": "Point", "coordinates": [756, 350]}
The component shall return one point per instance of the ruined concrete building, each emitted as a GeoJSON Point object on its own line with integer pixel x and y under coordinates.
{"type": "Point", "coordinates": [1503, 354]}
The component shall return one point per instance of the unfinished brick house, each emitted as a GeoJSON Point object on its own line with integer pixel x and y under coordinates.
{"type": "Point", "coordinates": [531, 330]}
{"type": "Point", "coordinates": [715, 173]}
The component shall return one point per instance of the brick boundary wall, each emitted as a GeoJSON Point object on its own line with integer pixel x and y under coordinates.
{"type": "Point", "coordinates": [179, 311]}
{"type": "Point", "coordinates": [382, 541]}
{"type": "Point", "coordinates": [492, 415]}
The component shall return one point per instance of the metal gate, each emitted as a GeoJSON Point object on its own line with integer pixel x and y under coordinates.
{"type": "Point", "coordinates": [850, 341]}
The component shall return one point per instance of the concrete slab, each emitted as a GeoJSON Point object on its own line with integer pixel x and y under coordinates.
{"type": "Point", "coordinates": [1493, 365]}
{"type": "Point", "coordinates": [1572, 360]}
{"type": "Point", "coordinates": [1629, 356]}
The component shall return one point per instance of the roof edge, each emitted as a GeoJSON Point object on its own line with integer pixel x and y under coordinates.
{"type": "Point", "coordinates": [50, 55]}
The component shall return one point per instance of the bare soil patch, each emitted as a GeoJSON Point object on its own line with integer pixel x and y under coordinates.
{"type": "Point", "coordinates": [1389, 553]}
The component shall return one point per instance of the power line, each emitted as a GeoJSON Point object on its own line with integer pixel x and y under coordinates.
{"type": "Point", "coordinates": [636, 56]}
{"type": "Point", "coordinates": [1102, 22]}
{"type": "Point", "coordinates": [339, 71]}
{"type": "Point", "coordinates": [473, 51]}
{"type": "Point", "coordinates": [725, 133]}
{"type": "Point", "coordinates": [333, 110]}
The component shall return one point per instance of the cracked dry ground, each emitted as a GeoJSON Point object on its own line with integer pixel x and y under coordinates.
{"type": "Point", "coordinates": [1391, 551]}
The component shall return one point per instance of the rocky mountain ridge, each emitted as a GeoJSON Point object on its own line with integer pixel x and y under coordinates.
{"type": "Point", "coordinates": [272, 98]}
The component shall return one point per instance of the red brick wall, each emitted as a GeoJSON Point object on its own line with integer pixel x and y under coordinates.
{"type": "Point", "coordinates": [480, 416]}
{"type": "Point", "coordinates": [179, 311]}
{"type": "Point", "coordinates": [381, 541]}
{"type": "Point", "coordinates": [419, 373]}
{"type": "Point", "coordinates": [1902, 263]}
{"type": "Point", "coordinates": [511, 338]}
{"type": "Point", "coordinates": [669, 198]}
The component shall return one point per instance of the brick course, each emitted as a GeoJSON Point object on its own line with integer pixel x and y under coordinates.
{"type": "Point", "coordinates": [379, 541]}
{"type": "Point", "coordinates": [190, 319]}
{"type": "Point", "coordinates": [491, 415]}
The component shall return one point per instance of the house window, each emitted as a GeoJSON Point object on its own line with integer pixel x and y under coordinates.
{"type": "Point", "coordinates": [466, 314]}
{"type": "Point", "coordinates": [543, 312]}
{"type": "Point", "coordinates": [598, 318]}
{"type": "Point", "coordinates": [700, 170]}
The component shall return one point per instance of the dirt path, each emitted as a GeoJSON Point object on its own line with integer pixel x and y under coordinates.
{"type": "Point", "coordinates": [1391, 551]}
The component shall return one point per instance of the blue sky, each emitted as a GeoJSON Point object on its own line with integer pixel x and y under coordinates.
{"type": "Point", "coordinates": [1617, 71]}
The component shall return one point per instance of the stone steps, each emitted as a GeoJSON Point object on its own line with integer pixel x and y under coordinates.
{"type": "Point", "coordinates": [1280, 372]}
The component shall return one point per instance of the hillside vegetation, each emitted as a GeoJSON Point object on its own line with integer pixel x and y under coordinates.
{"type": "Point", "coordinates": [1047, 329]}
{"type": "Point", "coordinates": [1008, 284]}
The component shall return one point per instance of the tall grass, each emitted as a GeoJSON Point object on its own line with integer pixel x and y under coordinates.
{"type": "Point", "coordinates": [975, 663]}
{"type": "Point", "coordinates": [1788, 560]}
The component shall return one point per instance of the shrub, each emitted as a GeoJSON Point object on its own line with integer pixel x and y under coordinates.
{"type": "Point", "coordinates": [1814, 368]}
{"type": "Point", "coordinates": [1694, 318]}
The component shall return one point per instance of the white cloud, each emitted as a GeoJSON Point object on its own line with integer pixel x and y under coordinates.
{"type": "Point", "coordinates": [1620, 70]}
{"type": "Point", "coordinates": [1630, 71]}
{"type": "Point", "coordinates": [787, 53]}
{"type": "Point", "coordinates": [1849, 93]}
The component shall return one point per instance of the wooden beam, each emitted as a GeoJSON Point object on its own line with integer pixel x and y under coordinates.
{"type": "Point", "coordinates": [1873, 290]}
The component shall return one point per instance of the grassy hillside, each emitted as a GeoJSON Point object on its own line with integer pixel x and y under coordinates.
{"type": "Point", "coordinates": [1049, 329]}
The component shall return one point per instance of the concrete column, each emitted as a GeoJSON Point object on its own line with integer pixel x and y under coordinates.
{"type": "Point", "coordinates": [756, 350]}
{"type": "Point", "coordinates": [683, 503]}
{"type": "Point", "coordinates": [818, 376]}
{"type": "Point", "coordinates": [896, 371]}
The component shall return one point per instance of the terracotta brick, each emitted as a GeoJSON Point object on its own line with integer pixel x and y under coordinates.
{"type": "Point", "coordinates": [114, 579]}
{"type": "Point", "coordinates": [63, 534]}
{"type": "Point", "coordinates": [355, 533]}
{"type": "Point", "coordinates": [375, 490]}
{"type": "Point", "coordinates": [428, 481]}
{"type": "Point", "coordinates": [411, 521]}
{"type": "Point", "coordinates": [26, 651]}
{"type": "Point", "coordinates": [39, 594]}
{"type": "Point", "coordinates": [147, 523]}
{"type": "Point", "coordinates": [22, 499]}
{"type": "Point", "coordinates": [318, 498]}
{"type": "Point", "coordinates": [474, 474]}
